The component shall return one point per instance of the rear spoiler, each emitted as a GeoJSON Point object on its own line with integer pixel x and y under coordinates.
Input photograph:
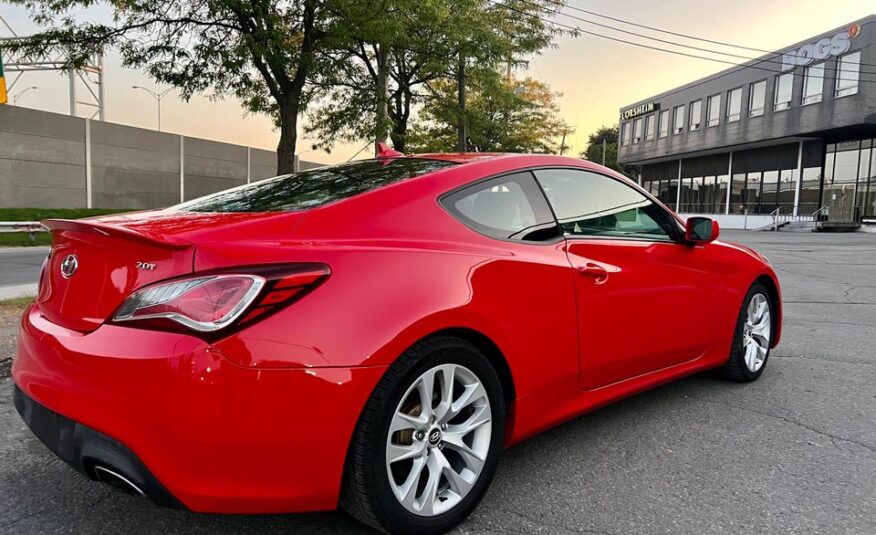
{"type": "Point", "coordinates": [106, 229]}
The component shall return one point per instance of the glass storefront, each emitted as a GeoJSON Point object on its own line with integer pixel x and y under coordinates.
{"type": "Point", "coordinates": [844, 190]}
{"type": "Point", "coordinates": [850, 180]}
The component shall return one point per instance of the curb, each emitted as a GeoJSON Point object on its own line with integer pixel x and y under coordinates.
{"type": "Point", "coordinates": [20, 290]}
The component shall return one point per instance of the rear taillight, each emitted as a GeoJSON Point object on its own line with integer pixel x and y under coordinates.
{"type": "Point", "coordinates": [211, 302]}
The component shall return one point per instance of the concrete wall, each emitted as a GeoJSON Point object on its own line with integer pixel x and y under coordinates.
{"type": "Point", "coordinates": [42, 159]}
{"type": "Point", "coordinates": [49, 160]}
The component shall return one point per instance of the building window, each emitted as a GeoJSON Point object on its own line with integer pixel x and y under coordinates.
{"type": "Point", "coordinates": [737, 194]}
{"type": "Point", "coordinates": [722, 184]}
{"type": "Point", "coordinates": [625, 133]}
{"type": "Point", "coordinates": [696, 114]}
{"type": "Point", "coordinates": [713, 109]}
{"type": "Point", "coordinates": [752, 192]}
{"type": "Point", "coordinates": [784, 87]}
{"type": "Point", "coordinates": [734, 105]}
{"type": "Point", "coordinates": [678, 125]}
{"type": "Point", "coordinates": [637, 130]}
{"type": "Point", "coordinates": [664, 123]}
{"type": "Point", "coordinates": [813, 83]}
{"type": "Point", "coordinates": [649, 127]}
{"type": "Point", "coordinates": [847, 74]}
{"type": "Point", "coordinates": [757, 99]}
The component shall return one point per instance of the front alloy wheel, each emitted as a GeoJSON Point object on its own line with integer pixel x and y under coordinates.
{"type": "Point", "coordinates": [428, 440]}
{"type": "Point", "coordinates": [756, 332]}
{"type": "Point", "coordinates": [752, 337]}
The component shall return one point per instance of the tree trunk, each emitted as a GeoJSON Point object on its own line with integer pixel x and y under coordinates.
{"type": "Point", "coordinates": [288, 138]}
{"type": "Point", "coordinates": [460, 100]}
{"type": "Point", "coordinates": [382, 114]}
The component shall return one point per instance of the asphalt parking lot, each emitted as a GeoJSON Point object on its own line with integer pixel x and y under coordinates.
{"type": "Point", "coordinates": [794, 452]}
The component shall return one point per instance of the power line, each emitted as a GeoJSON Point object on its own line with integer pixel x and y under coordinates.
{"type": "Point", "coordinates": [677, 34]}
{"type": "Point", "coordinates": [676, 52]}
{"type": "Point", "coordinates": [558, 11]}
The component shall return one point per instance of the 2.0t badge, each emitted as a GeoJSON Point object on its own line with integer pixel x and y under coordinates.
{"type": "Point", "coordinates": [69, 266]}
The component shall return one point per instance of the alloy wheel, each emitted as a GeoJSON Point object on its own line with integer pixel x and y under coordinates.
{"type": "Point", "coordinates": [439, 438]}
{"type": "Point", "coordinates": [756, 332]}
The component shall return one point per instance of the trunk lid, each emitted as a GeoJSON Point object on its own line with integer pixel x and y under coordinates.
{"type": "Point", "coordinates": [96, 263]}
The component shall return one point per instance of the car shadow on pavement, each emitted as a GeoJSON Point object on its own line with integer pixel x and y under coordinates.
{"type": "Point", "coordinates": [53, 498]}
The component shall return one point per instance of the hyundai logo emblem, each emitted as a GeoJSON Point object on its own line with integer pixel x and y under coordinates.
{"type": "Point", "coordinates": [435, 437]}
{"type": "Point", "coordinates": [69, 266]}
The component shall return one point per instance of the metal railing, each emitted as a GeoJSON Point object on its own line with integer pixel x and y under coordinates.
{"type": "Point", "coordinates": [775, 215]}
{"type": "Point", "coordinates": [30, 227]}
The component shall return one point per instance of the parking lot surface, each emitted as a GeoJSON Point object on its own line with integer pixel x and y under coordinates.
{"type": "Point", "coordinates": [794, 452]}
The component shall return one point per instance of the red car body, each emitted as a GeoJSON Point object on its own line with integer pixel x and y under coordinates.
{"type": "Point", "coordinates": [259, 420]}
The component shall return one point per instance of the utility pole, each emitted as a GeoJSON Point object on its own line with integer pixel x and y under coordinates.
{"type": "Point", "coordinates": [603, 152]}
{"type": "Point", "coordinates": [566, 130]}
{"type": "Point", "coordinates": [382, 76]}
{"type": "Point", "coordinates": [157, 97]}
{"type": "Point", "coordinates": [16, 96]}
{"type": "Point", "coordinates": [460, 99]}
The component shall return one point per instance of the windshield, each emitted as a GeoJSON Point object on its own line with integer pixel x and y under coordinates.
{"type": "Point", "coordinates": [312, 188]}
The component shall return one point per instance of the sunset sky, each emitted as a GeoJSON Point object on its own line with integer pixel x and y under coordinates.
{"type": "Point", "coordinates": [595, 76]}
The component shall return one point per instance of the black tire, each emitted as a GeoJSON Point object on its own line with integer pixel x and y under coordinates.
{"type": "Point", "coordinates": [735, 369]}
{"type": "Point", "coordinates": [366, 494]}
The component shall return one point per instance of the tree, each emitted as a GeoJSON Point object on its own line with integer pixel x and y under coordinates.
{"type": "Point", "coordinates": [503, 114]}
{"type": "Point", "coordinates": [593, 152]}
{"type": "Point", "coordinates": [263, 52]}
{"type": "Point", "coordinates": [422, 41]}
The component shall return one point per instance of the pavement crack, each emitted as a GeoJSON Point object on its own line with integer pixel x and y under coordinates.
{"type": "Point", "coordinates": [786, 302]}
{"type": "Point", "coordinates": [833, 438]}
{"type": "Point", "coordinates": [824, 359]}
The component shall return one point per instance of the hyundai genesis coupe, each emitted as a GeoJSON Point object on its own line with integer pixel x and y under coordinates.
{"type": "Point", "coordinates": [372, 335]}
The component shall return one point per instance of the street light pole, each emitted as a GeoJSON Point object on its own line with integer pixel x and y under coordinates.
{"type": "Point", "coordinates": [23, 91]}
{"type": "Point", "coordinates": [157, 97]}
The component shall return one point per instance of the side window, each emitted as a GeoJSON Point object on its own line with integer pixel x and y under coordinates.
{"type": "Point", "coordinates": [507, 207]}
{"type": "Point", "coordinates": [590, 204]}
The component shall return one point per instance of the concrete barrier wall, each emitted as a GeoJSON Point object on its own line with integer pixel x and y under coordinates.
{"type": "Point", "coordinates": [48, 160]}
{"type": "Point", "coordinates": [42, 159]}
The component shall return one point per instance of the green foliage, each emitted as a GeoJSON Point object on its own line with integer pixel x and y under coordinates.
{"type": "Point", "coordinates": [593, 152]}
{"type": "Point", "coordinates": [278, 57]}
{"type": "Point", "coordinates": [263, 52]}
{"type": "Point", "coordinates": [423, 41]}
{"type": "Point", "coordinates": [24, 239]}
{"type": "Point", "coordinates": [38, 214]}
{"type": "Point", "coordinates": [503, 114]}
{"type": "Point", "coordinates": [16, 304]}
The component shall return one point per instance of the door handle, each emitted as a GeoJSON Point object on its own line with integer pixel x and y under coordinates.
{"type": "Point", "coordinates": [599, 273]}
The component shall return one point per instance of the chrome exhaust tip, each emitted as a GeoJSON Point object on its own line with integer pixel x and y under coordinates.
{"type": "Point", "coordinates": [117, 480]}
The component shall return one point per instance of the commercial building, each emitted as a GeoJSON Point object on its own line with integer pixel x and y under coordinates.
{"type": "Point", "coordinates": [788, 136]}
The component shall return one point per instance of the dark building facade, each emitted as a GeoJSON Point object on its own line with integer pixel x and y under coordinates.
{"type": "Point", "coordinates": [792, 133]}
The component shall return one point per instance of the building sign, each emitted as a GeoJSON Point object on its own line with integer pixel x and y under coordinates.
{"type": "Point", "coordinates": [821, 49]}
{"type": "Point", "coordinates": [641, 109]}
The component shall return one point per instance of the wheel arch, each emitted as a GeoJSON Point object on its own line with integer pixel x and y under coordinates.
{"type": "Point", "coordinates": [772, 287]}
{"type": "Point", "coordinates": [490, 350]}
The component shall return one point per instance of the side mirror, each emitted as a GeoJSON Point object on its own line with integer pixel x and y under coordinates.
{"type": "Point", "coordinates": [701, 230]}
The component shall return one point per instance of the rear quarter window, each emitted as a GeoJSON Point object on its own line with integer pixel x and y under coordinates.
{"type": "Point", "coordinates": [508, 208]}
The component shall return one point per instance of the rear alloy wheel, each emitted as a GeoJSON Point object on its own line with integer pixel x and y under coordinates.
{"type": "Point", "coordinates": [428, 440]}
{"type": "Point", "coordinates": [753, 336]}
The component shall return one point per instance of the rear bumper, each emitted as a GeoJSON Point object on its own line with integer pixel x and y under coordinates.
{"type": "Point", "coordinates": [193, 428]}
{"type": "Point", "coordinates": [85, 449]}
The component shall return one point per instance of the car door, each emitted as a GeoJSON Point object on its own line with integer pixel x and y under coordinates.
{"type": "Point", "coordinates": [642, 295]}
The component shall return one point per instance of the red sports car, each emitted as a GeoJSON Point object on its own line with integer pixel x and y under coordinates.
{"type": "Point", "coordinates": [373, 334]}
